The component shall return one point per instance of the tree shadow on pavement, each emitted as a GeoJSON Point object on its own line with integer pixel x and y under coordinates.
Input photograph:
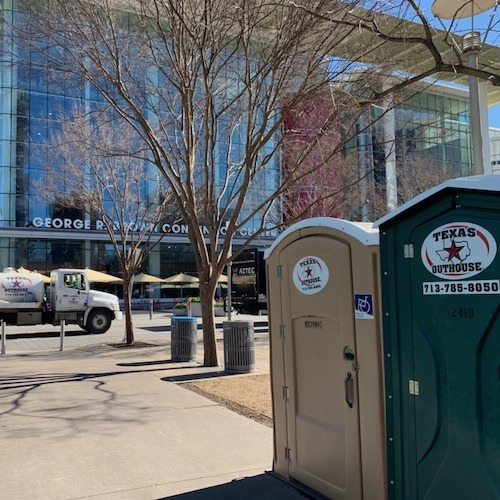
{"type": "Point", "coordinates": [83, 398]}
{"type": "Point", "coordinates": [203, 374]}
{"type": "Point", "coordinates": [52, 334]}
{"type": "Point", "coordinates": [189, 377]}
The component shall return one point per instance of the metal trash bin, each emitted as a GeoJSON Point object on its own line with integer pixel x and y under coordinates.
{"type": "Point", "coordinates": [184, 338]}
{"type": "Point", "coordinates": [239, 346]}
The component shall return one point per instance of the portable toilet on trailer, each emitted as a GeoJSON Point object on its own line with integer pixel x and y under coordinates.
{"type": "Point", "coordinates": [441, 307]}
{"type": "Point", "coordinates": [326, 358]}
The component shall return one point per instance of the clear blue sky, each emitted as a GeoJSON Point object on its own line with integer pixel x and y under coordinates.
{"type": "Point", "coordinates": [494, 116]}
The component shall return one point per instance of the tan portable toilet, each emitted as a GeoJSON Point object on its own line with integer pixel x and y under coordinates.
{"type": "Point", "coordinates": [326, 358]}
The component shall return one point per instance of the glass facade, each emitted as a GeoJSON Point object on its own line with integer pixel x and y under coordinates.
{"type": "Point", "coordinates": [437, 127]}
{"type": "Point", "coordinates": [425, 139]}
{"type": "Point", "coordinates": [34, 100]}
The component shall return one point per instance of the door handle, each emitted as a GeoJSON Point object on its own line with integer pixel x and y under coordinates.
{"type": "Point", "coordinates": [346, 389]}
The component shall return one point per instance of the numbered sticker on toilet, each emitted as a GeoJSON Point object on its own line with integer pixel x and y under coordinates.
{"type": "Point", "coordinates": [310, 275]}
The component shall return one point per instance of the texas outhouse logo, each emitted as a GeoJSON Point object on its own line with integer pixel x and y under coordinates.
{"type": "Point", "coordinates": [458, 250]}
{"type": "Point", "coordinates": [310, 275]}
{"type": "Point", "coordinates": [15, 285]}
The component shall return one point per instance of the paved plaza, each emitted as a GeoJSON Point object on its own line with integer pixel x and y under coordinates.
{"type": "Point", "coordinates": [99, 422]}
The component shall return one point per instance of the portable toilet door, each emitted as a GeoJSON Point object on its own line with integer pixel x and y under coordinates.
{"type": "Point", "coordinates": [441, 307]}
{"type": "Point", "coordinates": [326, 364]}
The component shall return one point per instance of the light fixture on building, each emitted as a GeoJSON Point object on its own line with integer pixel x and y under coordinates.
{"type": "Point", "coordinates": [471, 47]}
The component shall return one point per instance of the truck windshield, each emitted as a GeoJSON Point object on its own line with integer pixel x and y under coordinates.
{"type": "Point", "coordinates": [74, 281]}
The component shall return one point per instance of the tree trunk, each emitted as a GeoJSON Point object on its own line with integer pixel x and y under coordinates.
{"type": "Point", "coordinates": [207, 294]}
{"type": "Point", "coordinates": [129, 324]}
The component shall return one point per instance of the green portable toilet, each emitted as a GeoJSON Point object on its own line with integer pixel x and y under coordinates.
{"type": "Point", "coordinates": [440, 270]}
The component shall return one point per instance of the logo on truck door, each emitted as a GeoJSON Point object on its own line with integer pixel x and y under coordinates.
{"type": "Point", "coordinates": [458, 250]}
{"type": "Point", "coordinates": [310, 275]}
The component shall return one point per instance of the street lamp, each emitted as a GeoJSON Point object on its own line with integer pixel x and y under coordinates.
{"type": "Point", "coordinates": [471, 46]}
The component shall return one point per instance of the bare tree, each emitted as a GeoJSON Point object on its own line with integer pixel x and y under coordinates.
{"type": "Point", "coordinates": [422, 173]}
{"type": "Point", "coordinates": [101, 169]}
{"type": "Point", "coordinates": [418, 174]}
{"type": "Point", "coordinates": [203, 84]}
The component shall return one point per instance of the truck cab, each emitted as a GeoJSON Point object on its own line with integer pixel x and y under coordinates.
{"type": "Point", "coordinates": [72, 300]}
{"type": "Point", "coordinates": [70, 290]}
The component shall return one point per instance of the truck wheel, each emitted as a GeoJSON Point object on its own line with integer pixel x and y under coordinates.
{"type": "Point", "coordinates": [98, 322]}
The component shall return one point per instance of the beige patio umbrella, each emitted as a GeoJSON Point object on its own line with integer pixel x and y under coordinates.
{"type": "Point", "coordinates": [222, 279]}
{"type": "Point", "coordinates": [147, 278]}
{"type": "Point", "coordinates": [143, 279]}
{"type": "Point", "coordinates": [182, 279]}
{"type": "Point", "coordinates": [99, 277]}
{"type": "Point", "coordinates": [23, 270]}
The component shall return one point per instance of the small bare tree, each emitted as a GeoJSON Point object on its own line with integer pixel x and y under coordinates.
{"type": "Point", "coordinates": [102, 169]}
{"type": "Point", "coordinates": [421, 173]}
{"type": "Point", "coordinates": [418, 174]}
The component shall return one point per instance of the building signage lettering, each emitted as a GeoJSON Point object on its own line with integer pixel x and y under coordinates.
{"type": "Point", "coordinates": [458, 250]}
{"type": "Point", "coordinates": [98, 225]}
{"type": "Point", "coordinates": [310, 275]}
{"type": "Point", "coordinates": [246, 270]}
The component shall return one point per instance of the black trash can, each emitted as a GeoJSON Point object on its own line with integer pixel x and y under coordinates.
{"type": "Point", "coordinates": [184, 338]}
{"type": "Point", "coordinates": [239, 346]}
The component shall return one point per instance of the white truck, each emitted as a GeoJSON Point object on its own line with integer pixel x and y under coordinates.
{"type": "Point", "coordinates": [26, 300]}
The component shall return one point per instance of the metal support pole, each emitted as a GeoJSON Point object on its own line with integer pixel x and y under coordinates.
{"type": "Point", "coordinates": [150, 308]}
{"type": "Point", "coordinates": [61, 343]}
{"type": "Point", "coordinates": [3, 337]}
{"type": "Point", "coordinates": [229, 271]}
{"type": "Point", "coordinates": [365, 165]}
{"type": "Point", "coordinates": [485, 127]}
{"type": "Point", "coordinates": [475, 116]}
{"type": "Point", "coordinates": [391, 179]}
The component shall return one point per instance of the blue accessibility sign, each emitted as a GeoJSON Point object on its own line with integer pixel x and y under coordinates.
{"type": "Point", "coordinates": [363, 306]}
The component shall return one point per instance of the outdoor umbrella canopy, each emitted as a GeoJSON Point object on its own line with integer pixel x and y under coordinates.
{"type": "Point", "coordinates": [98, 277]}
{"type": "Point", "coordinates": [22, 270]}
{"type": "Point", "coordinates": [147, 278]}
{"type": "Point", "coordinates": [181, 279]}
{"type": "Point", "coordinates": [143, 279]}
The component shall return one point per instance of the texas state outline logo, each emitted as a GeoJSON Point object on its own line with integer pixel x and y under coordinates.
{"type": "Point", "coordinates": [310, 275]}
{"type": "Point", "coordinates": [458, 250]}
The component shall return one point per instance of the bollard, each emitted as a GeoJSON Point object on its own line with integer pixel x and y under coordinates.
{"type": "Point", "coordinates": [3, 337]}
{"type": "Point", "coordinates": [150, 308]}
{"type": "Point", "coordinates": [61, 344]}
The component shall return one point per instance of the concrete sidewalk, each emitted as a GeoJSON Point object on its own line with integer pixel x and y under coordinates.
{"type": "Point", "coordinates": [113, 423]}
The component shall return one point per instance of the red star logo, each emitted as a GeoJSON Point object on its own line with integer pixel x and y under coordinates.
{"type": "Point", "coordinates": [454, 251]}
{"type": "Point", "coordinates": [16, 283]}
{"type": "Point", "coordinates": [309, 272]}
